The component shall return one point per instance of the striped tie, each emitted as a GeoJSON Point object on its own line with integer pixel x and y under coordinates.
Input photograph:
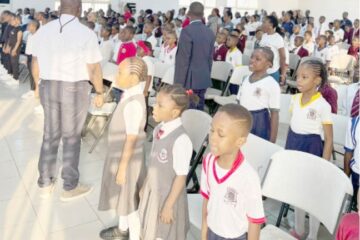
{"type": "Point", "coordinates": [355, 105]}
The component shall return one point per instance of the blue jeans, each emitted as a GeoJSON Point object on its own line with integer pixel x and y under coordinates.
{"type": "Point", "coordinates": [276, 75]}
{"type": "Point", "coordinates": [117, 94]}
{"type": "Point", "coordinates": [201, 94]}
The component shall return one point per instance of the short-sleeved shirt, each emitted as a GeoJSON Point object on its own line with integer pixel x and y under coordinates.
{"type": "Point", "coordinates": [234, 57]}
{"type": "Point", "coordinates": [309, 118]}
{"type": "Point", "coordinates": [262, 94]}
{"type": "Point", "coordinates": [151, 70]}
{"type": "Point", "coordinates": [169, 55]}
{"type": "Point", "coordinates": [152, 40]}
{"type": "Point", "coordinates": [352, 142]}
{"type": "Point", "coordinates": [117, 46]}
{"type": "Point", "coordinates": [339, 34]}
{"type": "Point", "coordinates": [182, 149]}
{"type": "Point", "coordinates": [234, 196]}
{"type": "Point", "coordinates": [310, 47]}
{"type": "Point", "coordinates": [323, 54]}
{"type": "Point", "coordinates": [275, 42]}
{"type": "Point", "coordinates": [333, 50]}
{"type": "Point", "coordinates": [63, 56]}
{"type": "Point", "coordinates": [28, 49]}
{"type": "Point", "coordinates": [133, 112]}
{"type": "Point", "coordinates": [106, 49]}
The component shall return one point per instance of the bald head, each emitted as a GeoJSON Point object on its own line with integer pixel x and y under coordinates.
{"type": "Point", "coordinates": [72, 7]}
{"type": "Point", "coordinates": [196, 10]}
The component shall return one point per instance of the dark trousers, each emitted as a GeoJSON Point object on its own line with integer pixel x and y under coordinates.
{"type": "Point", "coordinates": [355, 183]}
{"type": "Point", "coordinates": [6, 61]}
{"type": "Point", "coordinates": [65, 107]}
{"type": "Point", "coordinates": [201, 94]}
{"type": "Point", "coordinates": [29, 65]}
{"type": "Point", "coordinates": [117, 93]}
{"type": "Point", "coordinates": [14, 66]}
{"type": "Point", "coordinates": [214, 236]}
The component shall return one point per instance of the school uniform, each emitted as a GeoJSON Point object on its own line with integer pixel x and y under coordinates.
{"type": "Point", "coordinates": [260, 97]}
{"type": "Point", "coordinates": [339, 35]}
{"type": "Point", "coordinates": [242, 42]}
{"type": "Point", "coordinates": [127, 50]}
{"type": "Point", "coordinates": [13, 63]}
{"type": "Point", "coordinates": [106, 49]}
{"type": "Point", "coordinates": [234, 198]}
{"type": "Point", "coordinates": [220, 52]}
{"type": "Point", "coordinates": [333, 50]}
{"type": "Point", "coordinates": [310, 47]}
{"type": "Point", "coordinates": [306, 125]}
{"type": "Point", "coordinates": [4, 38]}
{"type": "Point", "coordinates": [234, 57]}
{"type": "Point", "coordinates": [151, 39]}
{"type": "Point", "coordinates": [117, 46]}
{"type": "Point", "coordinates": [352, 141]}
{"type": "Point", "coordinates": [169, 55]}
{"type": "Point", "coordinates": [301, 52]}
{"type": "Point", "coordinates": [322, 53]}
{"type": "Point", "coordinates": [128, 119]}
{"type": "Point", "coordinates": [170, 157]}
{"type": "Point", "coordinates": [354, 51]}
{"type": "Point", "coordinates": [292, 41]}
{"type": "Point", "coordinates": [28, 52]}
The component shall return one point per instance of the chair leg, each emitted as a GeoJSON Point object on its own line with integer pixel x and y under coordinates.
{"type": "Point", "coordinates": [98, 138]}
{"type": "Point", "coordinates": [281, 214]}
{"type": "Point", "coordinates": [287, 207]}
{"type": "Point", "coordinates": [89, 121]}
{"type": "Point", "coordinates": [334, 155]}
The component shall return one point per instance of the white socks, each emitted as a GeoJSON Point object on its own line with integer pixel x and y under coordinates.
{"type": "Point", "coordinates": [300, 224]}
{"type": "Point", "coordinates": [131, 223]}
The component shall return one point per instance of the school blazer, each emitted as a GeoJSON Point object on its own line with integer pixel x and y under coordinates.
{"type": "Point", "coordinates": [194, 57]}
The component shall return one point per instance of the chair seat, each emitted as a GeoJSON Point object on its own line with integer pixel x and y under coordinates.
{"type": "Point", "coordinates": [270, 232]}
{"type": "Point", "coordinates": [106, 110]}
{"type": "Point", "coordinates": [291, 83]}
{"type": "Point", "coordinates": [211, 93]}
{"type": "Point", "coordinates": [225, 100]}
{"type": "Point", "coordinates": [336, 79]}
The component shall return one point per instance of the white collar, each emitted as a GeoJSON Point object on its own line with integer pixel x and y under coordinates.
{"type": "Point", "coordinates": [169, 127]}
{"type": "Point", "coordinates": [67, 17]}
{"type": "Point", "coordinates": [194, 21]}
{"type": "Point", "coordinates": [133, 91]}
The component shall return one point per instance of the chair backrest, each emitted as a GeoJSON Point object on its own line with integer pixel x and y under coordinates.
{"type": "Point", "coordinates": [169, 76]}
{"type": "Point", "coordinates": [109, 71]}
{"type": "Point", "coordinates": [259, 160]}
{"type": "Point", "coordinates": [197, 125]}
{"type": "Point", "coordinates": [343, 46]}
{"type": "Point", "coordinates": [195, 209]}
{"type": "Point", "coordinates": [221, 71]}
{"type": "Point", "coordinates": [248, 51]}
{"type": "Point", "coordinates": [245, 59]}
{"type": "Point", "coordinates": [249, 44]}
{"type": "Point", "coordinates": [342, 62]}
{"type": "Point", "coordinates": [339, 128]}
{"type": "Point", "coordinates": [156, 51]}
{"type": "Point", "coordinates": [239, 74]}
{"type": "Point", "coordinates": [284, 115]}
{"type": "Point", "coordinates": [294, 61]}
{"type": "Point", "coordinates": [160, 69]}
{"type": "Point", "coordinates": [341, 90]}
{"type": "Point", "coordinates": [308, 182]}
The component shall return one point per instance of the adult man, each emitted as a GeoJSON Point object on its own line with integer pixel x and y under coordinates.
{"type": "Point", "coordinates": [194, 56]}
{"type": "Point", "coordinates": [345, 21]}
{"type": "Point", "coordinates": [65, 56]}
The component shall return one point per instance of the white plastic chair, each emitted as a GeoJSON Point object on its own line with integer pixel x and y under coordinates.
{"type": "Point", "coordinates": [343, 46]}
{"type": "Point", "coordinates": [160, 69]}
{"type": "Point", "coordinates": [343, 66]}
{"type": "Point", "coordinates": [237, 78]}
{"type": "Point", "coordinates": [294, 61]}
{"type": "Point", "coordinates": [195, 202]}
{"type": "Point", "coordinates": [259, 160]}
{"type": "Point", "coordinates": [246, 59]}
{"type": "Point", "coordinates": [285, 115]}
{"type": "Point", "coordinates": [307, 182]}
{"type": "Point", "coordinates": [341, 90]}
{"type": "Point", "coordinates": [339, 129]}
{"type": "Point", "coordinates": [221, 72]}
{"type": "Point", "coordinates": [169, 76]}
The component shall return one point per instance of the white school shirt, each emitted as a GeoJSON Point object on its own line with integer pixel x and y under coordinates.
{"type": "Point", "coordinates": [275, 42]}
{"type": "Point", "coordinates": [339, 34]}
{"type": "Point", "coordinates": [234, 199]}
{"type": "Point", "coordinates": [348, 99]}
{"type": "Point", "coordinates": [310, 46]}
{"type": "Point", "coordinates": [352, 142]}
{"type": "Point", "coordinates": [309, 118]}
{"type": "Point", "coordinates": [151, 40]}
{"type": "Point", "coordinates": [29, 45]}
{"type": "Point", "coordinates": [262, 94]}
{"type": "Point", "coordinates": [64, 56]}
{"type": "Point", "coordinates": [182, 149]}
{"type": "Point", "coordinates": [234, 57]}
{"type": "Point", "coordinates": [323, 54]}
{"type": "Point", "coordinates": [320, 29]}
{"type": "Point", "coordinates": [115, 39]}
{"type": "Point", "coordinates": [333, 50]}
{"type": "Point", "coordinates": [151, 70]}
{"type": "Point", "coordinates": [106, 49]}
{"type": "Point", "coordinates": [117, 47]}
{"type": "Point", "coordinates": [169, 55]}
{"type": "Point", "coordinates": [292, 41]}
{"type": "Point", "coordinates": [133, 111]}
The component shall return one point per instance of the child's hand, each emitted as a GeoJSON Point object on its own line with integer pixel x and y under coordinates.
{"type": "Point", "coordinates": [13, 53]}
{"type": "Point", "coordinates": [121, 175]}
{"type": "Point", "coordinates": [167, 215]}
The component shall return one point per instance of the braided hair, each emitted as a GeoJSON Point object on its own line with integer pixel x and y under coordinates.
{"type": "Point", "coordinates": [318, 68]}
{"type": "Point", "coordinates": [182, 97]}
{"type": "Point", "coordinates": [138, 67]}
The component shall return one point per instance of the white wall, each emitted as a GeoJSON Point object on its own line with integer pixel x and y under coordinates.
{"type": "Point", "coordinates": [39, 5]}
{"type": "Point", "coordinates": [331, 9]}
{"type": "Point", "coordinates": [279, 5]}
{"type": "Point", "coordinates": [155, 5]}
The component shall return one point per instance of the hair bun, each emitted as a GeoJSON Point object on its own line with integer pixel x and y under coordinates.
{"type": "Point", "coordinates": [189, 92]}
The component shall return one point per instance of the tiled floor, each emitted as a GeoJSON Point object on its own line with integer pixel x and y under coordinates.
{"type": "Point", "coordinates": [23, 215]}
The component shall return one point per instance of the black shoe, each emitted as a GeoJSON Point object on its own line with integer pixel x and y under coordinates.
{"type": "Point", "coordinates": [114, 233]}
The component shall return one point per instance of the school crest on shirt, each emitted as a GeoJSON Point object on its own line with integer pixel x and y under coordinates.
{"type": "Point", "coordinates": [311, 114]}
{"type": "Point", "coordinates": [123, 50]}
{"type": "Point", "coordinates": [163, 156]}
{"type": "Point", "coordinates": [257, 92]}
{"type": "Point", "coordinates": [218, 57]}
{"type": "Point", "coordinates": [231, 196]}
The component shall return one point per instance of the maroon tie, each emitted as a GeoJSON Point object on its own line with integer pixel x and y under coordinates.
{"type": "Point", "coordinates": [355, 105]}
{"type": "Point", "coordinates": [159, 134]}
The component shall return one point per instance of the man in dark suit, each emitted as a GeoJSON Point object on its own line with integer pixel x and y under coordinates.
{"type": "Point", "coordinates": [195, 53]}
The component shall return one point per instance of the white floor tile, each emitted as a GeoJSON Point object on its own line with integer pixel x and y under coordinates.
{"type": "Point", "coordinates": [89, 231]}
{"type": "Point", "coordinates": [59, 216]}
{"type": "Point", "coordinates": [16, 212]}
{"type": "Point", "coordinates": [107, 218]}
{"type": "Point", "coordinates": [8, 170]}
{"type": "Point", "coordinates": [28, 231]}
{"type": "Point", "coordinates": [11, 188]}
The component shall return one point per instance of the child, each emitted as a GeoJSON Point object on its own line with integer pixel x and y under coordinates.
{"type": "Point", "coordinates": [115, 29]}
{"type": "Point", "coordinates": [107, 44]}
{"type": "Point", "coordinates": [308, 42]}
{"type": "Point", "coordinates": [260, 94]}
{"type": "Point", "coordinates": [169, 54]}
{"type": "Point", "coordinates": [148, 34]}
{"type": "Point", "coordinates": [32, 27]}
{"type": "Point", "coordinates": [127, 48]}
{"type": "Point", "coordinates": [221, 49]}
{"type": "Point", "coordinates": [163, 206]}
{"type": "Point", "coordinates": [124, 165]}
{"type": "Point", "coordinates": [329, 33]}
{"type": "Point", "coordinates": [333, 47]}
{"type": "Point", "coordinates": [354, 49]}
{"type": "Point", "coordinates": [321, 51]}
{"type": "Point", "coordinates": [296, 32]}
{"type": "Point", "coordinates": [232, 206]}
{"type": "Point", "coordinates": [144, 51]}
{"type": "Point", "coordinates": [234, 57]}
{"type": "Point", "coordinates": [338, 32]}
{"type": "Point", "coordinates": [242, 37]}
{"type": "Point", "coordinates": [351, 158]}
{"type": "Point", "coordinates": [258, 35]}
{"type": "Point", "coordinates": [311, 117]}
{"type": "Point", "coordinates": [13, 47]}
{"type": "Point", "coordinates": [178, 28]}
{"type": "Point", "coordinates": [299, 49]}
